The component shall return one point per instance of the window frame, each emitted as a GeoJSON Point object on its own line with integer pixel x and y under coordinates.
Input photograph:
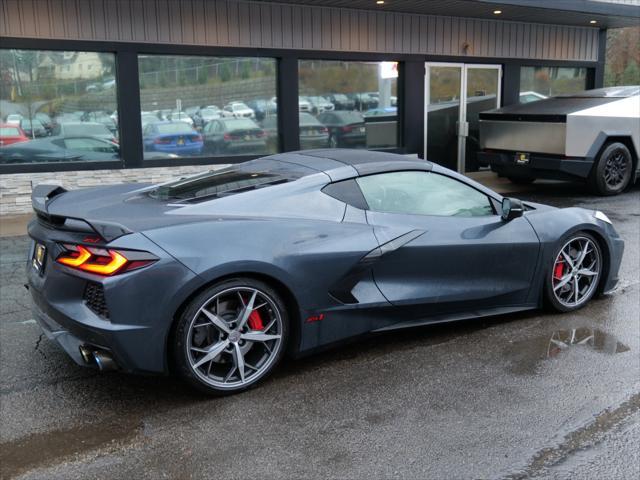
{"type": "Point", "coordinates": [411, 85]}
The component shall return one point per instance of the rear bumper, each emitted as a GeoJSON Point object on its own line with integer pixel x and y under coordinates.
{"type": "Point", "coordinates": [140, 304]}
{"type": "Point", "coordinates": [314, 142]}
{"type": "Point", "coordinates": [540, 165]}
{"type": "Point", "coordinates": [194, 149]}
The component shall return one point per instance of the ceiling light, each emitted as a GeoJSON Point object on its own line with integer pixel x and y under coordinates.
{"type": "Point", "coordinates": [379, 2]}
{"type": "Point", "coordinates": [593, 22]}
{"type": "Point", "coordinates": [497, 12]}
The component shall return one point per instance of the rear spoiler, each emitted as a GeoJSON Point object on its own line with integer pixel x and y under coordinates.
{"type": "Point", "coordinates": [43, 195]}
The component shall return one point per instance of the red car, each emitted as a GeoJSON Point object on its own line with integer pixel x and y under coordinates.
{"type": "Point", "coordinates": [11, 134]}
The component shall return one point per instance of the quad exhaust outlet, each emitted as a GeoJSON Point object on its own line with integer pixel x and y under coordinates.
{"type": "Point", "coordinates": [100, 358]}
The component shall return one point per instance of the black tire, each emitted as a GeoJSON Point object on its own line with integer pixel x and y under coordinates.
{"type": "Point", "coordinates": [612, 171]}
{"type": "Point", "coordinates": [551, 300]}
{"type": "Point", "coordinates": [522, 180]}
{"type": "Point", "coordinates": [180, 339]}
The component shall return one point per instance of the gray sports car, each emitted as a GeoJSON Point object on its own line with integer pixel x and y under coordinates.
{"type": "Point", "coordinates": [219, 275]}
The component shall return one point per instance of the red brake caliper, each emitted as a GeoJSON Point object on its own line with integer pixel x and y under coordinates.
{"type": "Point", "coordinates": [255, 321]}
{"type": "Point", "coordinates": [558, 271]}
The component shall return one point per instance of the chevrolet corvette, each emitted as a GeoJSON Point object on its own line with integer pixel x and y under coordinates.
{"type": "Point", "coordinates": [218, 276]}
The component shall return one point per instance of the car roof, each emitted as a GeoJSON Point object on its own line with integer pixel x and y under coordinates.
{"type": "Point", "coordinates": [342, 163]}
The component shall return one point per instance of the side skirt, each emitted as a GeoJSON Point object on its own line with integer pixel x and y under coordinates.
{"type": "Point", "coordinates": [452, 317]}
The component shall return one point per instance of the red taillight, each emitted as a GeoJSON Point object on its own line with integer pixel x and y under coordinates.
{"type": "Point", "coordinates": [261, 134]}
{"type": "Point", "coordinates": [196, 138]}
{"type": "Point", "coordinates": [102, 261]}
{"type": "Point", "coordinates": [227, 136]}
{"type": "Point", "coordinates": [162, 141]}
{"type": "Point", "coordinates": [346, 129]}
{"type": "Point", "coordinates": [324, 130]}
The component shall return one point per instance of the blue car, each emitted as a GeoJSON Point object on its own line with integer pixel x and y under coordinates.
{"type": "Point", "coordinates": [172, 137]}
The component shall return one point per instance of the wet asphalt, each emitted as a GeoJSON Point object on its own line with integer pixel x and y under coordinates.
{"type": "Point", "coordinates": [489, 398]}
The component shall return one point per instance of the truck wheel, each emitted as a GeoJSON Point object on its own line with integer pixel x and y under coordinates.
{"type": "Point", "coordinates": [612, 171]}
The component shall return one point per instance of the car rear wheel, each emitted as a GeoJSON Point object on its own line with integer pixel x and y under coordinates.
{"type": "Point", "coordinates": [231, 336]}
{"type": "Point", "coordinates": [612, 171]}
{"type": "Point", "coordinates": [575, 274]}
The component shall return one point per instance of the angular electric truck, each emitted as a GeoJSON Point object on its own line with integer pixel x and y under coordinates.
{"type": "Point", "coordinates": [592, 136]}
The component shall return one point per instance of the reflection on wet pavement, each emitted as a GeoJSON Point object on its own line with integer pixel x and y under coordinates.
{"type": "Point", "coordinates": [527, 354]}
{"type": "Point", "coordinates": [42, 449]}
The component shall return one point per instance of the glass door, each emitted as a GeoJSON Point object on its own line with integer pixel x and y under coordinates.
{"type": "Point", "coordinates": [455, 94]}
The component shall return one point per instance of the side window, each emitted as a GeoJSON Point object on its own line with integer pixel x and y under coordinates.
{"type": "Point", "coordinates": [423, 193]}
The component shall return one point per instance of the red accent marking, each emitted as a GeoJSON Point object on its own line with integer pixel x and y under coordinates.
{"type": "Point", "coordinates": [315, 318]}
{"type": "Point", "coordinates": [255, 321]}
{"type": "Point", "coordinates": [558, 272]}
{"type": "Point", "coordinates": [91, 239]}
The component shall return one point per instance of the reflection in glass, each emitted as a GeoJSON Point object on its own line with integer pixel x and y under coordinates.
{"type": "Point", "coordinates": [54, 103]}
{"type": "Point", "coordinates": [347, 104]}
{"type": "Point", "coordinates": [443, 113]}
{"type": "Point", "coordinates": [203, 106]}
{"type": "Point", "coordinates": [482, 95]}
{"type": "Point", "coordinates": [538, 83]}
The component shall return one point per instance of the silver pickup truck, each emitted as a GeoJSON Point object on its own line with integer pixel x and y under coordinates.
{"type": "Point", "coordinates": [592, 136]}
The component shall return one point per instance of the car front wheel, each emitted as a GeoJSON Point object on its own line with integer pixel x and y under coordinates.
{"type": "Point", "coordinates": [231, 336]}
{"type": "Point", "coordinates": [575, 274]}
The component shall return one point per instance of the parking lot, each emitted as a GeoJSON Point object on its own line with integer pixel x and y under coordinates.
{"type": "Point", "coordinates": [517, 396]}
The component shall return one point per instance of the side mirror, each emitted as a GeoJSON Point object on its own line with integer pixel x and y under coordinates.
{"type": "Point", "coordinates": [511, 208]}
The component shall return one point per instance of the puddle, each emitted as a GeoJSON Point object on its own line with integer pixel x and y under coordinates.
{"type": "Point", "coordinates": [43, 449]}
{"type": "Point", "coordinates": [526, 355]}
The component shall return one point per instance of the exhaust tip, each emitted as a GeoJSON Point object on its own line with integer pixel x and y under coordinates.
{"type": "Point", "coordinates": [87, 354]}
{"type": "Point", "coordinates": [104, 361]}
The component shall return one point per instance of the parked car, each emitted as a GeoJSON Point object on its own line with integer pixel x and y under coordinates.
{"type": "Point", "coordinates": [238, 110]}
{"type": "Point", "coordinates": [10, 134]}
{"type": "Point", "coordinates": [147, 118]}
{"type": "Point", "coordinates": [319, 104]}
{"type": "Point", "coordinates": [593, 136]}
{"type": "Point", "coordinates": [180, 116]}
{"type": "Point", "coordinates": [341, 101]}
{"type": "Point", "coordinates": [222, 273]}
{"type": "Point", "coordinates": [45, 120]}
{"type": "Point", "coordinates": [205, 115]}
{"type": "Point", "coordinates": [109, 83]}
{"type": "Point", "coordinates": [263, 108]}
{"type": "Point", "coordinates": [84, 129]}
{"type": "Point", "coordinates": [172, 137]}
{"type": "Point", "coordinates": [346, 128]}
{"type": "Point", "coordinates": [93, 87]}
{"type": "Point", "coordinates": [33, 128]}
{"type": "Point", "coordinates": [234, 136]}
{"type": "Point", "coordinates": [313, 134]}
{"type": "Point", "coordinates": [14, 119]}
{"type": "Point", "coordinates": [363, 101]}
{"type": "Point", "coordinates": [304, 105]}
{"type": "Point", "coordinates": [60, 149]}
{"type": "Point", "coordinates": [103, 118]}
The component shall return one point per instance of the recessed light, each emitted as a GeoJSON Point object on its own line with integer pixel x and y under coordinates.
{"type": "Point", "coordinates": [379, 2]}
{"type": "Point", "coordinates": [592, 22]}
{"type": "Point", "coordinates": [497, 12]}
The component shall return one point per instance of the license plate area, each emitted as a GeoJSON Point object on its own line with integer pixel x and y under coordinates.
{"type": "Point", "coordinates": [522, 158]}
{"type": "Point", "coordinates": [39, 257]}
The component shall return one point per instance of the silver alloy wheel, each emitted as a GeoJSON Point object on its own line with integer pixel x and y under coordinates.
{"type": "Point", "coordinates": [234, 338]}
{"type": "Point", "coordinates": [576, 272]}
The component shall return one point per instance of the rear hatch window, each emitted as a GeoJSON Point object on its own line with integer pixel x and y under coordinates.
{"type": "Point", "coordinates": [227, 181]}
